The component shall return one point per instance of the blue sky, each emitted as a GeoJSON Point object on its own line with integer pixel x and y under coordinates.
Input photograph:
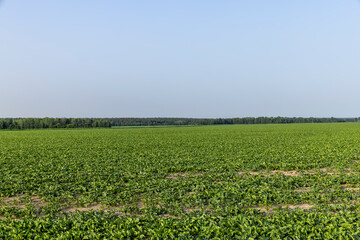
{"type": "Point", "coordinates": [184, 58]}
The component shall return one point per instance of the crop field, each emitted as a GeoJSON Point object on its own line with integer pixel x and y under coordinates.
{"type": "Point", "coordinates": [295, 181]}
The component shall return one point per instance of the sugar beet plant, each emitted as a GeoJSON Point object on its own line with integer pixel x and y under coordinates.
{"type": "Point", "coordinates": [227, 182]}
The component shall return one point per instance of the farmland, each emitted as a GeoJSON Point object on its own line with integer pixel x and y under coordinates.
{"type": "Point", "coordinates": [226, 182]}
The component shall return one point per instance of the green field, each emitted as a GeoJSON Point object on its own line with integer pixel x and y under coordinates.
{"type": "Point", "coordinates": [207, 182]}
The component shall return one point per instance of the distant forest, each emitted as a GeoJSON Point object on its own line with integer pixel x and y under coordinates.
{"type": "Point", "coordinates": [33, 123]}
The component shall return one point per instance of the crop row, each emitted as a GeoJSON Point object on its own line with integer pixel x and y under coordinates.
{"type": "Point", "coordinates": [188, 182]}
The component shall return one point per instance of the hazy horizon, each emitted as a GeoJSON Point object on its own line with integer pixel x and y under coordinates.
{"type": "Point", "coordinates": [353, 117]}
{"type": "Point", "coordinates": [203, 59]}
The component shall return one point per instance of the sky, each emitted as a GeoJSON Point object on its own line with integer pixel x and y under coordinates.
{"type": "Point", "coordinates": [161, 58]}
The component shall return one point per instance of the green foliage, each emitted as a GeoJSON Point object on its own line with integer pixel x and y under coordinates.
{"type": "Point", "coordinates": [189, 183]}
{"type": "Point", "coordinates": [36, 123]}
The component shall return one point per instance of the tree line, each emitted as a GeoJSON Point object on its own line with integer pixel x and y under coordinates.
{"type": "Point", "coordinates": [216, 121]}
{"type": "Point", "coordinates": [33, 123]}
